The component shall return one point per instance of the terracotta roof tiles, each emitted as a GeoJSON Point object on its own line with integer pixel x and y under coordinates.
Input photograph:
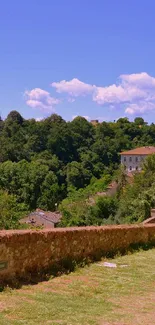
{"type": "Point", "coordinates": [140, 151]}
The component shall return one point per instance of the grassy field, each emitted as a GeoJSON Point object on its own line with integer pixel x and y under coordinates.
{"type": "Point", "coordinates": [93, 295]}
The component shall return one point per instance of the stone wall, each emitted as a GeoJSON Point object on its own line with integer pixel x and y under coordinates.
{"type": "Point", "coordinates": [28, 252]}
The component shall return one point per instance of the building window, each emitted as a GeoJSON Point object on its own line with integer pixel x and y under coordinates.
{"type": "Point", "coordinates": [130, 168]}
{"type": "Point", "coordinates": [136, 159]}
{"type": "Point", "coordinates": [130, 159]}
{"type": "Point", "coordinates": [124, 159]}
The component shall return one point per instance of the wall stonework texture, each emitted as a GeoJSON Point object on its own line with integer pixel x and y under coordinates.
{"type": "Point", "coordinates": [26, 252]}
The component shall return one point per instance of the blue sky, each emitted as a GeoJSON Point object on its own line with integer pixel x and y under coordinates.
{"type": "Point", "coordinates": [92, 58]}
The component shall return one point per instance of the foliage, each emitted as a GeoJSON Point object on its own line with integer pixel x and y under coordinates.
{"type": "Point", "coordinates": [77, 208]}
{"type": "Point", "coordinates": [132, 203]}
{"type": "Point", "coordinates": [138, 197]}
{"type": "Point", "coordinates": [10, 211]}
{"type": "Point", "coordinates": [77, 175]}
{"type": "Point", "coordinates": [103, 212]}
{"type": "Point", "coordinates": [42, 163]}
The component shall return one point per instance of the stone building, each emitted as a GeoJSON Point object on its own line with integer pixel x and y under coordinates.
{"type": "Point", "coordinates": [94, 122]}
{"type": "Point", "coordinates": [133, 159]}
{"type": "Point", "coordinates": [41, 218]}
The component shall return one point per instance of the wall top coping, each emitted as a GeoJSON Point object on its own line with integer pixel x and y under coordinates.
{"type": "Point", "coordinates": [73, 229]}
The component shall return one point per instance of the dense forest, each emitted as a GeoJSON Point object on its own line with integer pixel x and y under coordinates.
{"type": "Point", "coordinates": [54, 162]}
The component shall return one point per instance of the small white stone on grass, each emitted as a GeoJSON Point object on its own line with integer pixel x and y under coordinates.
{"type": "Point", "coordinates": [107, 264]}
{"type": "Point", "coordinates": [123, 265]}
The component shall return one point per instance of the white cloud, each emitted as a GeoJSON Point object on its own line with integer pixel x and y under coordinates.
{"type": "Point", "coordinates": [102, 118]}
{"type": "Point", "coordinates": [134, 93]}
{"type": "Point", "coordinates": [74, 87]}
{"type": "Point", "coordinates": [140, 107]}
{"type": "Point", "coordinates": [130, 88]}
{"type": "Point", "coordinates": [141, 79]}
{"type": "Point", "coordinates": [41, 99]}
{"type": "Point", "coordinates": [111, 94]}
{"type": "Point", "coordinates": [38, 119]}
{"type": "Point", "coordinates": [74, 116]}
{"type": "Point", "coordinates": [71, 100]}
{"type": "Point", "coordinates": [84, 116]}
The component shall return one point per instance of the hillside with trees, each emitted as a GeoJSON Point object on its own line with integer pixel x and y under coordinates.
{"type": "Point", "coordinates": [57, 162]}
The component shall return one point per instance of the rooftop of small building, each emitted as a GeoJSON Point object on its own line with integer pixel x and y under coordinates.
{"type": "Point", "coordinates": [148, 150]}
{"type": "Point", "coordinates": [53, 217]}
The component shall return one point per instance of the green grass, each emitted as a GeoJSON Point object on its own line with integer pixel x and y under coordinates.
{"type": "Point", "coordinates": [93, 295]}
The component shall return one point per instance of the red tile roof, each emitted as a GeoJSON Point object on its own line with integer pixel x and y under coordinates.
{"type": "Point", "coordinates": [140, 151]}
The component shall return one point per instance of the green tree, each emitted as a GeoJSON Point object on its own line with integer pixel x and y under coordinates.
{"type": "Point", "coordinates": [77, 175]}
{"type": "Point", "coordinates": [10, 211]}
{"type": "Point", "coordinates": [50, 192]}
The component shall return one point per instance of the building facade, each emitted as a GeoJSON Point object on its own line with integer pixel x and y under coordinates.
{"type": "Point", "coordinates": [133, 159]}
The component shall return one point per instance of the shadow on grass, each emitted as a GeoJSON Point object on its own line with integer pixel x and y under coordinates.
{"type": "Point", "coordinates": [66, 266]}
